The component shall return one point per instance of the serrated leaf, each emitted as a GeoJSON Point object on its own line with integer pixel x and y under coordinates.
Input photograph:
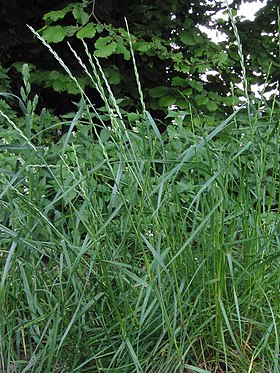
{"type": "Point", "coordinates": [54, 34]}
{"type": "Point", "coordinates": [157, 92]}
{"type": "Point", "coordinates": [106, 50]}
{"type": "Point", "coordinates": [87, 31]}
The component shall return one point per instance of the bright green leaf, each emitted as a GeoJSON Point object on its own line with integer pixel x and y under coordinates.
{"type": "Point", "coordinates": [106, 50]}
{"type": "Point", "coordinates": [121, 49]}
{"type": "Point", "coordinates": [100, 42]}
{"type": "Point", "coordinates": [54, 34]}
{"type": "Point", "coordinates": [80, 15]}
{"type": "Point", "coordinates": [87, 31]}
{"type": "Point", "coordinates": [55, 15]}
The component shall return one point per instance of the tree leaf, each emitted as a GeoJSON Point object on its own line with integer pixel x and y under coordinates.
{"type": "Point", "coordinates": [187, 38]}
{"type": "Point", "coordinates": [100, 42]}
{"type": "Point", "coordinates": [54, 34]}
{"type": "Point", "coordinates": [212, 106]}
{"type": "Point", "coordinates": [158, 91]}
{"type": "Point", "coordinates": [179, 82]}
{"type": "Point", "coordinates": [87, 31]}
{"type": "Point", "coordinates": [80, 15]}
{"type": "Point", "coordinates": [167, 100]}
{"type": "Point", "coordinates": [55, 15]}
{"type": "Point", "coordinates": [106, 50]}
{"type": "Point", "coordinates": [121, 49]}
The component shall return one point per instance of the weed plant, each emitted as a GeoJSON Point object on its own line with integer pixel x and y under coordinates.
{"type": "Point", "coordinates": [124, 249]}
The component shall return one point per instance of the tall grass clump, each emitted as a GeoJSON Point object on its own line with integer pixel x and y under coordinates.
{"type": "Point", "coordinates": [124, 249]}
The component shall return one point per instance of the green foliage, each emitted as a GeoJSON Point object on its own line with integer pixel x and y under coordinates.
{"type": "Point", "coordinates": [157, 251]}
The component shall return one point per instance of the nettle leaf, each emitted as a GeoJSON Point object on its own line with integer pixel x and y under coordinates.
{"type": "Point", "coordinates": [106, 50]}
{"type": "Point", "coordinates": [87, 31]}
{"type": "Point", "coordinates": [187, 38]}
{"type": "Point", "coordinates": [158, 92]}
{"type": "Point", "coordinates": [54, 34]}
{"type": "Point", "coordinates": [167, 101]}
{"type": "Point", "coordinates": [80, 15]}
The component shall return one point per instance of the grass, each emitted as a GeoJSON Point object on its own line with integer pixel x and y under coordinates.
{"type": "Point", "coordinates": [139, 251]}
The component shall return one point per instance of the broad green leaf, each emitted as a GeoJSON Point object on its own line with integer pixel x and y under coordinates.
{"type": "Point", "coordinates": [179, 82]}
{"type": "Point", "coordinates": [167, 101]}
{"type": "Point", "coordinates": [106, 50]}
{"type": "Point", "coordinates": [54, 34]}
{"type": "Point", "coordinates": [187, 38]}
{"type": "Point", "coordinates": [183, 104]}
{"type": "Point", "coordinates": [100, 42]}
{"type": "Point", "coordinates": [121, 49]}
{"type": "Point", "coordinates": [80, 15]}
{"type": "Point", "coordinates": [70, 30]}
{"type": "Point", "coordinates": [212, 106]}
{"type": "Point", "coordinates": [142, 46]}
{"type": "Point", "coordinates": [158, 91]}
{"type": "Point", "coordinates": [55, 15]}
{"type": "Point", "coordinates": [87, 31]}
{"type": "Point", "coordinates": [201, 100]}
{"type": "Point", "coordinates": [196, 85]}
{"type": "Point", "coordinates": [187, 92]}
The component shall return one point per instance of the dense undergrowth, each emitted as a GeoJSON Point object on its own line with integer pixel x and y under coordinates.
{"type": "Point", "coordinates": [124, 249]}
